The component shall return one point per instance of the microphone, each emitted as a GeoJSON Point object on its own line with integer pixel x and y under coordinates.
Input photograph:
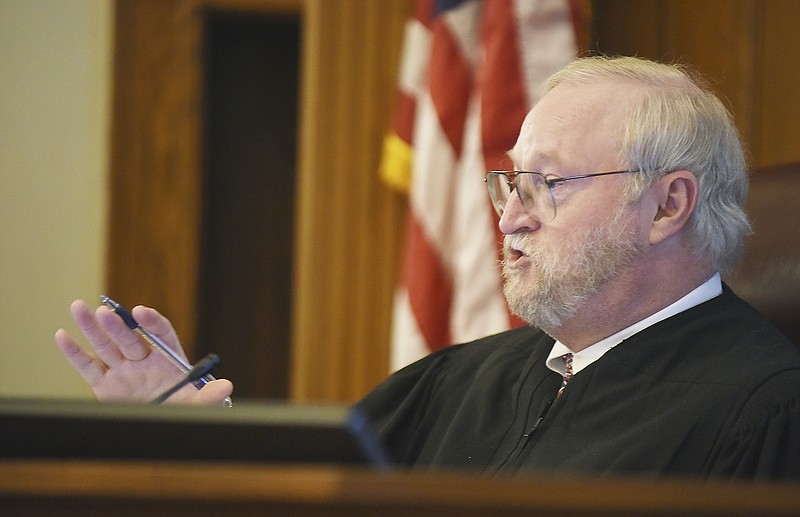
{"type": "Point", "coordinates": [201, 369]}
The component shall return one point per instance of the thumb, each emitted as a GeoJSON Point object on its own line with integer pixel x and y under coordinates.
{"type": "Point", "coordinates": [215, 392]}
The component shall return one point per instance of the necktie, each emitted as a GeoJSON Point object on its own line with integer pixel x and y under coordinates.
{"type": "Point", "coordinates": [567, 358]}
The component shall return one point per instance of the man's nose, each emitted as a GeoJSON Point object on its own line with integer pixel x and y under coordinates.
{"type": "Point", "coordinates": [516, 218]}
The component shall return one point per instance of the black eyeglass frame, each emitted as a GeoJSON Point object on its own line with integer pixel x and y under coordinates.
{"type": "Point", "coordinates": [511, 179]}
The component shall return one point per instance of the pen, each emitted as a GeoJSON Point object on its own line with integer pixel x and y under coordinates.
{"type": "Point", "coordinates": [153, 340]}
{"type": "Point", "coordinates": [156, 342]}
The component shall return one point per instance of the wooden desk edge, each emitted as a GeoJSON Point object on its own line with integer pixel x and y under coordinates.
{"type": "Point", "coordinates": [340, 486]}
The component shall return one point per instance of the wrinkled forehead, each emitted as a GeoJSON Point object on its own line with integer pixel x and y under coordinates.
{"type": "Point", "coordinates": [576, 124]}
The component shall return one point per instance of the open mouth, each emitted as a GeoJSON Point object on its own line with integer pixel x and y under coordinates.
{"type": "Point", "coordinates": [513, 254]}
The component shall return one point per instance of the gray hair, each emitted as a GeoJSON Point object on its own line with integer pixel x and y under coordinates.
{"type": "Point", "coordinates": [680, 124]}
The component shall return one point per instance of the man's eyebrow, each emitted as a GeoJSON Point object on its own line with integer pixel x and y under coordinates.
{"type": "Point", "coordinates": [544, 159]}
{"type": "Point", "coordinates": [510, 155]}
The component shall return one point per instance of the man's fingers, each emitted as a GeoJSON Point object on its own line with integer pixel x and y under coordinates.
{"type": "Point", "coordinates": [121, 366]}
{"type": "Point", "coordinates": [102, 344]}
{"type": "Point", "coordinates": [215, 391]}
{"type": "Point", "coordinates": [158, 325]}
{"type": "Point", "coordinates": [90, 368]}
{"type": "Point", "coordinates": [128, 343]}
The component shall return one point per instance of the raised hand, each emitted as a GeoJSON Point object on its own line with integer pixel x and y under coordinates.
{"type": "Point", "coordinates": [122, 367]}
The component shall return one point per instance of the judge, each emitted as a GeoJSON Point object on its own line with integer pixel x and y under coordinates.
{"type": "Point", "coordinates": [624, 205]}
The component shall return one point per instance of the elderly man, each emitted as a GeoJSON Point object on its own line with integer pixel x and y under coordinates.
{"type": "Point", "coordinates": [624, 205]}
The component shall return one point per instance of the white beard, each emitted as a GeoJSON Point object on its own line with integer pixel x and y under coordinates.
{"type": "Point", "coordinates": [560, 281]}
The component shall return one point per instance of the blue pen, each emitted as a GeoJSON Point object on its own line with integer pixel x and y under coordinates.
{"type": "Point", "coordinates": [151, 338]}
{"type": "Point", "coordinates": [159, 345]}
{"type": "Point", "coordinates": [156, 342]}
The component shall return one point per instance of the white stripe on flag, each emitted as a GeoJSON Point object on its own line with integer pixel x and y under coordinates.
{"type": "Point", "coordinates": [448, 199]}
{"type": "Point", "coordinates": [479, 307]}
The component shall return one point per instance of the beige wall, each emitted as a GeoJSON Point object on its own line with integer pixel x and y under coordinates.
{"type": "Point", "coordinates": [55, 69]}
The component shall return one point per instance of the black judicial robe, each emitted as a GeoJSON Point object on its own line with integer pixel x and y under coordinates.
{"type": "Point", "coordinates": [713, 392]}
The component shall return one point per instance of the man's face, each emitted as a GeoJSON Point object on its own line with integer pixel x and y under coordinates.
{"type": "Point", "coordinates": [553, 269]}
{"type": "Point", "coordinates": [561, 276]}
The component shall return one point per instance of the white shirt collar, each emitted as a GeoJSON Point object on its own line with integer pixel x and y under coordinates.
{"type": "Point", "coordinates": [706, 291]}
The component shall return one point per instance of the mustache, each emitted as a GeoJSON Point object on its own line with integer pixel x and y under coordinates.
{"type": "Point", "coordinates": [518, 241]}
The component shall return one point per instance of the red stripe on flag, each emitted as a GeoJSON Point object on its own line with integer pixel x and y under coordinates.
{"type": "Point", "coordinates": [434, 296]}
{"type": "Point", "coordinates": [450, 84]}
{"type": "Point", "coordinates": [504, 101]}
{"type": "Point", "coordinates": [424, 12]}
{"type": "Point", "coordinates": [428, 285]}
{"type": "Point", "coordinates": [404, 113]}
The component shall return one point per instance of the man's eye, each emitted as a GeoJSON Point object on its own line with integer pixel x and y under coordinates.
{"type": "Point", "coordinates": [522, 193]}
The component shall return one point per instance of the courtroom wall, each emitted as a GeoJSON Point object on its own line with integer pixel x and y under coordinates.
{"type": "Point", "coordinates": [54, 96]}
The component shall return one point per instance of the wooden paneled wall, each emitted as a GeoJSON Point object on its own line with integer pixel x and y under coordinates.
{"type": "Point", "coordinates": [348, 225]}
{"type": "Point", "coordinates": [155, 177]}
{"type": "Point", "coordinates": [748, 48]}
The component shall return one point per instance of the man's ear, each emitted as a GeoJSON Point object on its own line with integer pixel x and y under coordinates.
{"type": "Point", "coordinates": [676, 196]}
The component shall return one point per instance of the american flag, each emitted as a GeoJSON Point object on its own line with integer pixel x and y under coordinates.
{"type": "Point", "coordinates": [470, 71]}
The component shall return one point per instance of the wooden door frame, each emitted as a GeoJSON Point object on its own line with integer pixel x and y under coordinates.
{"type": "Point", "coordinates": [349, 225]}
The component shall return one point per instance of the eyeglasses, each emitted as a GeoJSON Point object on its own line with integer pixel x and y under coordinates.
{"type": "Point", "coordinates": [534, 189]}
